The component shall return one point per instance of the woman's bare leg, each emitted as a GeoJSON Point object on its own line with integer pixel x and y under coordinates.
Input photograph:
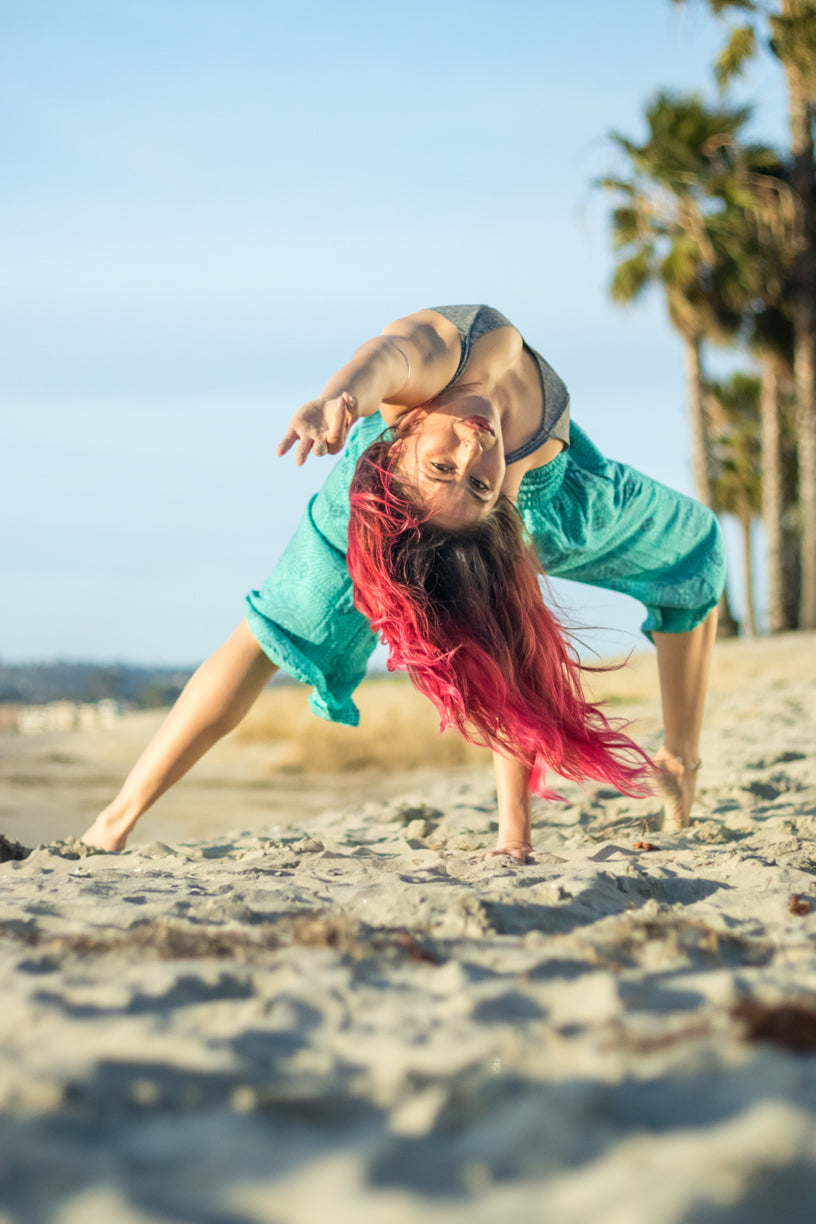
{"type": "Point", "coordinates": [683, 661]}
{"type": "Point", "coordinates": [212, 703]}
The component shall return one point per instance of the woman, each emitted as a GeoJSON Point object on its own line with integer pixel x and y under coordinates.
{"type": "Point", "coordinates": [479, 422]}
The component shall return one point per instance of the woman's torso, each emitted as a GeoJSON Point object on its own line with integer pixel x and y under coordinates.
{"type": "Point", "coordinates": [532, 401]}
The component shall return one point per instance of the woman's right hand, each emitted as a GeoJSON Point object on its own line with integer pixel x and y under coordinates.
{"type": "Point", "coordinates": [320, 427]}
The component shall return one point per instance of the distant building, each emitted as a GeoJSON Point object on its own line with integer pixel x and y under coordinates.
{"type": "Point", "coordinates": [60, 716]}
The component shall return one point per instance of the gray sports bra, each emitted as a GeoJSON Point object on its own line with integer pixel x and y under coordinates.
{"type": "Point", "coordinates": [474, 321]}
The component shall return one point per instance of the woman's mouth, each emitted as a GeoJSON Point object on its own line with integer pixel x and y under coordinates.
{"type": "Point", "coordinates": [482, 424]}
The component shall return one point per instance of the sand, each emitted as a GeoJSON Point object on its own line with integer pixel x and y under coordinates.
{"type": "Point", "coordinates": [342, 1013]}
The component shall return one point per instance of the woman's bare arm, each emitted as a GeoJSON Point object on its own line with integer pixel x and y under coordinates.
{"type": "Point", "coordinates": [213, 702]}
{"type": "Point", "coordinates": [513, 795]}
{"type": "Point", "coordinates": [409, 363]}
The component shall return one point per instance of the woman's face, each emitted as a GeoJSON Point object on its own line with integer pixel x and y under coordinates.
{"type": "Point", "coordinates": [455, 457]}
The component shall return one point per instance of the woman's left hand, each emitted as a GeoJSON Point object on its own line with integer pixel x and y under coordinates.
{"type": "Point", "coordinates": [320, 427]}
{"type": "Point", "coordinates": [520, 850]}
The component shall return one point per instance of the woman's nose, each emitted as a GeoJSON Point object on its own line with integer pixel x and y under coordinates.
{"type": "Point", "coordinates": [473, 445]}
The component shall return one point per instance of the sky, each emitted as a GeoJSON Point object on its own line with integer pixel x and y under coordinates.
{"type": "Point", "coordinates": [209, 204]}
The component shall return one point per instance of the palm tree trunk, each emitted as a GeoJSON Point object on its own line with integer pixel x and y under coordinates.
{"type": "Point", "coordinates": [727, 626]}
{"type": "Point", "coordinates": [772, 496]}
{"type": "Point", "coordinates": [792, 568]}
{"type": "Point", "coordinates": [804, 320]}
{"type": "Point", "coordinates": [745, 519]}
{"type": "Point", "coordinates": [805, 370]}
{"type": "Point", "coordinates": [699, 434]}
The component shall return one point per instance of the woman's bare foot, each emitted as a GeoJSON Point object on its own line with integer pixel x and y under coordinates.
{"type": "Point", "coordinates": [107, 832]}
{"type": "Point", "coordinates": [677, 782]}
{"type": "Point", "coordinates": [520, 850]}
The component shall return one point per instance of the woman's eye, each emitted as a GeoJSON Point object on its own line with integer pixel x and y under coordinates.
{"type": "Point", "coordinates": [441, 467]}
{"type": "Point", "coordinates": [478, 484]}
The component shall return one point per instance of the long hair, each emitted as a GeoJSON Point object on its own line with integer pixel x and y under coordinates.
{"type": "Point", "coordinates": [462, 612]}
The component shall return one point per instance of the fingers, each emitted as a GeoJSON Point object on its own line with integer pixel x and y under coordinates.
{"type": "Point", "coordinates": [303, 450]}
{"type": "Point", "coordinates": [337, 418]}
{"type": "Point", "coordinates": [304, 445]}
{"type": "Point", "coordinates": [306, 442]}
{"type": "Point", "coordinates": [286, 441]}
{"type": "Point", "coordinates": [319, 429]}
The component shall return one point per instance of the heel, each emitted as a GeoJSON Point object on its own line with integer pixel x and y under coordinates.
{"type": "Point", "coordinates": [677, 797]}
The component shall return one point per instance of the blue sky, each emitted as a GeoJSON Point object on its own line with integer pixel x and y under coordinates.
{"type": "Point", "coordinates": [208, 205]}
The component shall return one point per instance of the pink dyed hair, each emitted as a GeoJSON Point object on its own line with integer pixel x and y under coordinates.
{"type": "Point", "coordinates": [462, 613]}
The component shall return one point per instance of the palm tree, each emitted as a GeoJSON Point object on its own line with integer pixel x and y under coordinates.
{"type": "Point", "coordinates": [675, 227]}
{"type": "Point", "coordinates": [733, 415]}
{"type": "Point", "coordinates": [791, 525]}
{"type": "Point", "coordinates": [795, 43]}
{"type": "Point", "coordinates": [771, 341]}
{"type": "Point", "coordinates": [793, 40]}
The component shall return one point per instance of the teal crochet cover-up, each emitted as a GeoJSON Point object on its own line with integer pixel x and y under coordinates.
{"type": "Point", "coordinates": [590, 519]}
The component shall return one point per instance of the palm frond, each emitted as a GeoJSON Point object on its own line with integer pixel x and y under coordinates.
{"type": "Point", "coordinates": [741, 46]}
{"type": "Point", "coordinates": [627, 226]}
{"type": "Point", "coordinates": [733, 417]}
{"type": "Point", "coordinates": [631, 276]}
{"type": "Point", "coordinates": [720, 7]}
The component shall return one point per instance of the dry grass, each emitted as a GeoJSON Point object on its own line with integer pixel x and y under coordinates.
{"type": "Point", "coordinates": [399, 730]}
{"type": "Point", "coordinates": [784, 657]}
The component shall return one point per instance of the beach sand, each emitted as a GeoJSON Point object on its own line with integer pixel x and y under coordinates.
{"type": "Point", "coordinates": [340, 1012]}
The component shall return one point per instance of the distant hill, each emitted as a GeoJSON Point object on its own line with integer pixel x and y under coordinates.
{"type": "Point", "coordinates": [144, 687]}
{"type": "Point", "coordinates": [37, 683]}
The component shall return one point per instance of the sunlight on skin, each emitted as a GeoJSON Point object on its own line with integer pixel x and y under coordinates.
{"type": "Point", "coordinates": [456, 458]}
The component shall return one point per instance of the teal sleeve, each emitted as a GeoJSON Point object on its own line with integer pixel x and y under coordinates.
{"type": "Point", "coordinates": [303, 616]}
{"type": "Point", "coordinates": [597, 521]}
